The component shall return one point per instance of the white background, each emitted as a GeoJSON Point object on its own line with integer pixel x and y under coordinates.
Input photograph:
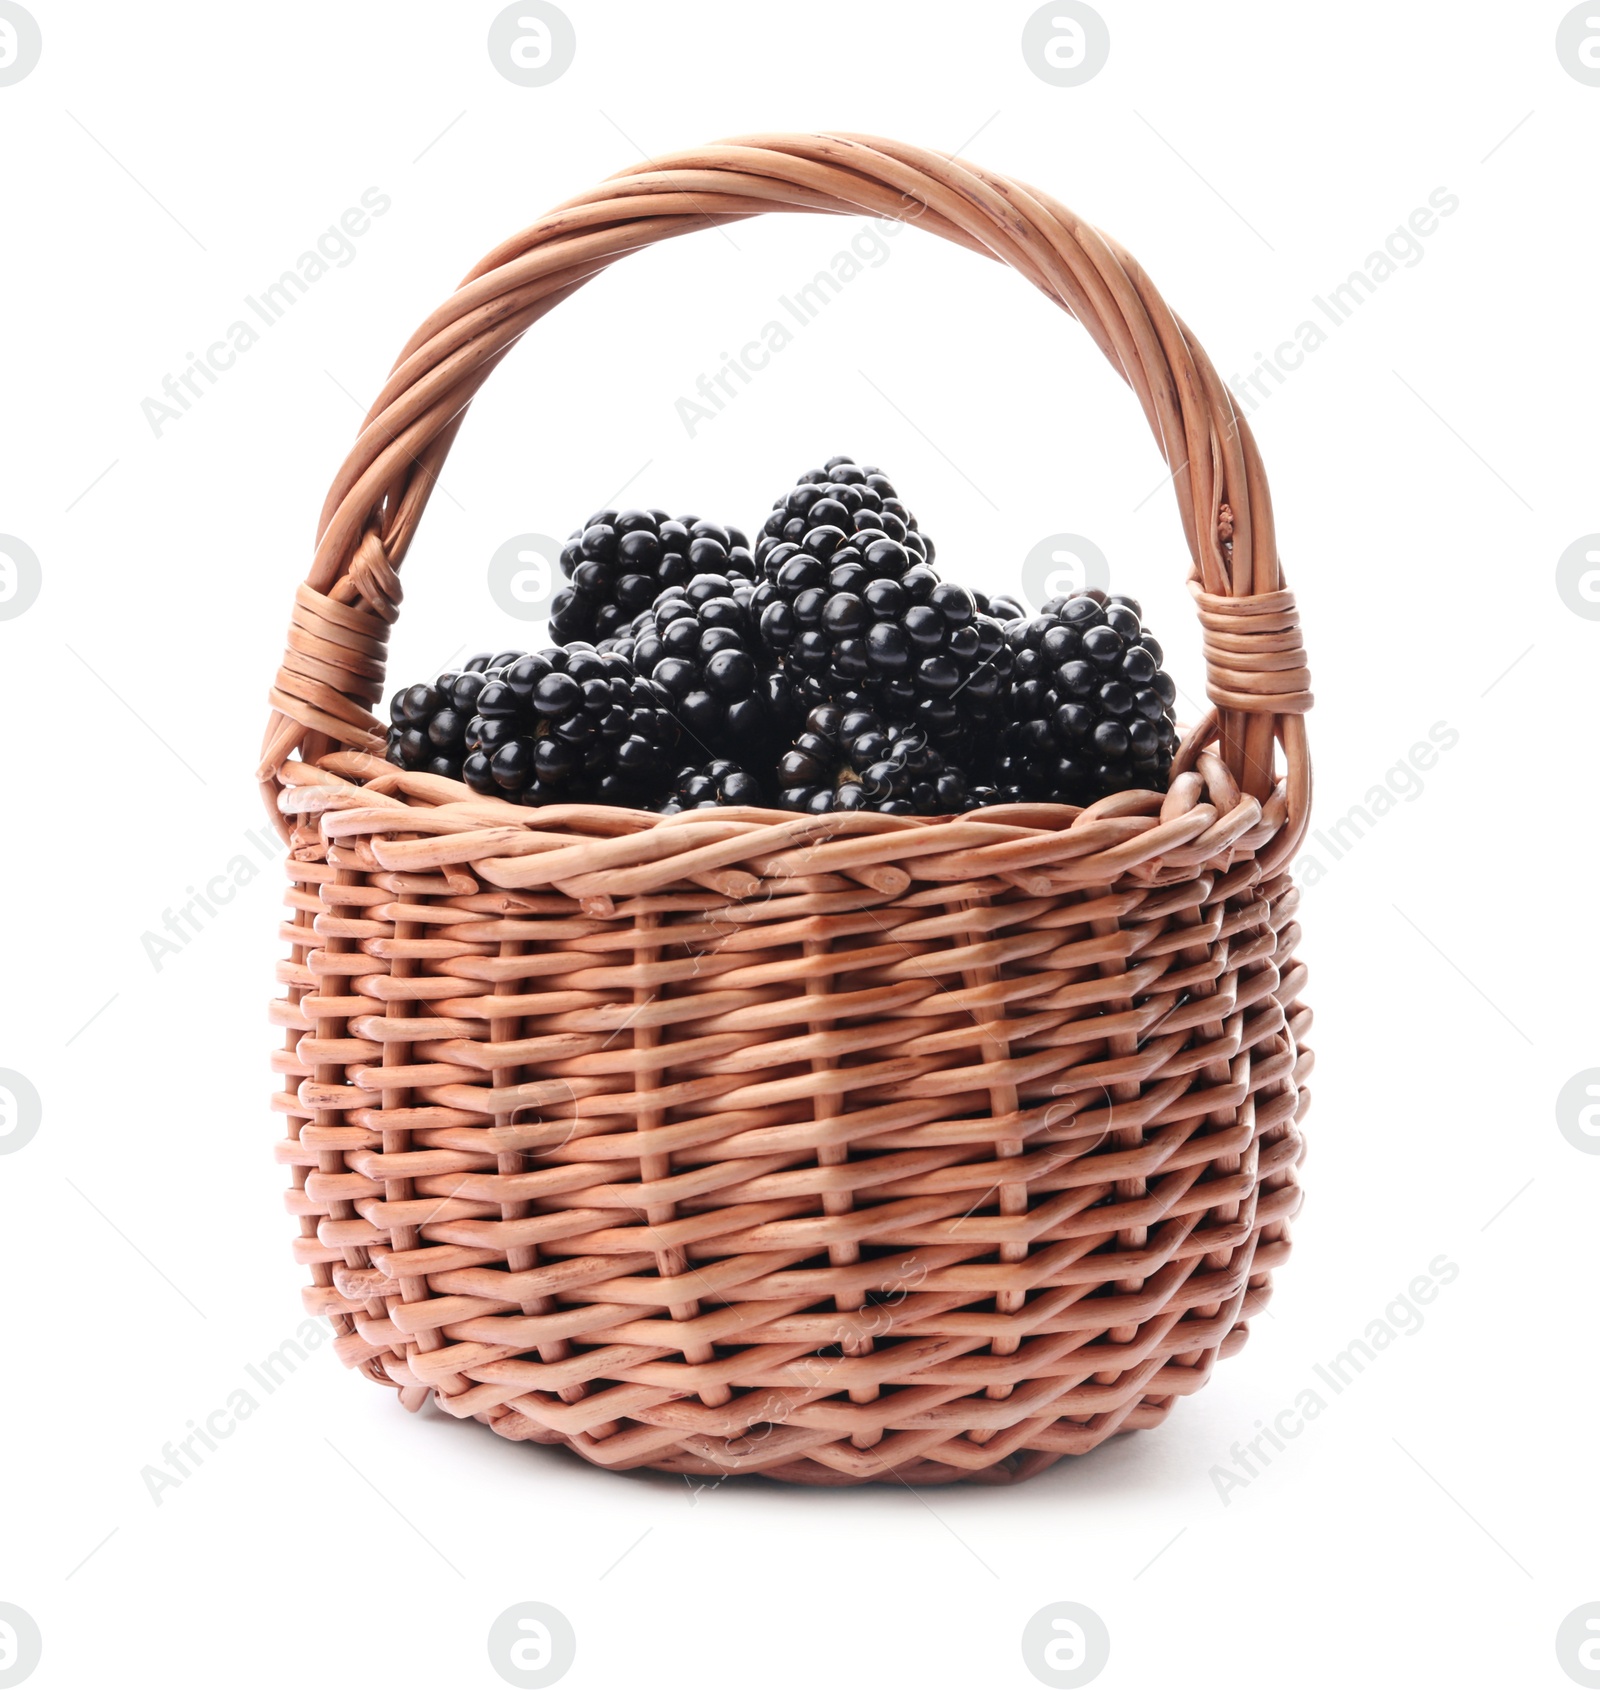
{"type": "Point", "coordinates": [1430, 464]}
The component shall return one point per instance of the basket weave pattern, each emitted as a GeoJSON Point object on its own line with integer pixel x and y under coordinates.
{"type": "Point", "coordinates": [835, 1148]}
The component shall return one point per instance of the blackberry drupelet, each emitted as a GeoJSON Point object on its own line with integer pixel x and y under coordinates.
{"type": "Point", "coordinates": [618, 563]}
{"type": "Point", "coordinates": [710, 785]}
{"type": "Point", "coordinates": [1091, 706]}
{"type": "Point", "coordinates": [563, 726]}
{"type": "Point", "coordinates": [851, 759]}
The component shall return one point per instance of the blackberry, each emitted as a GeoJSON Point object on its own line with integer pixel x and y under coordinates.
{"type": "Point", "coordinates": [846, 495]}
{"type": "Point", "coordinates": [700, 645]}
{"type": "Point", "coordinates": [851, 759]}
{"type": "Point", "coordinates": [562, 726]}
{"type": "Point", "coordinates": [1091, 707]}
{"type": "Point", "coordinates": [619, 561]}
{"type": "Point", "coordinates": [428, 728]}
{"type": "Point", "coordinates": [861, 619]}
{"type": "Point", "coordinates": [713, 783]}
{"type": "Point", "coordinates": [854, 613]}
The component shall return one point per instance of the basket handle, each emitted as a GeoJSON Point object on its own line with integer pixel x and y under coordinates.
{"type": "Point", "coordinates": [1256, 674]}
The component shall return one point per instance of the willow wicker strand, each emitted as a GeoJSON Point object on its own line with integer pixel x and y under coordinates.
{"type": "Point", "coordinates": [832, 1148]}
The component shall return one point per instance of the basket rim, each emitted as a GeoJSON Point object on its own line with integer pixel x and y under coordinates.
{"type": "Point", "coordinates": [405, 821]}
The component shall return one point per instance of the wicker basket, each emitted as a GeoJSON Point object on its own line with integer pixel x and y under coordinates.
{"type": "Point", "coordinates": [833, 1148]}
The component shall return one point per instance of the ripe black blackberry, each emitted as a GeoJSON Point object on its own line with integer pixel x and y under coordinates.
{"type": "Point", "coordinates": [851, 759]}
{"type": "Point", "coordinates": [619, 561]}
{"type": "Point", "coordinates": [712, 784]}
{"type": "Point", "coordinates": [1090, 707]}
{"type": "Point", "coordinates": [861, 619]}
{"type": "Point", "coordinates": [855, 614]}
{"type": "Point", "coordinates": [846, 495]}
{"type": "Point", "coordinates": [699, 643]}
{"type": "Point", "coordinates": [427, 728]}
{"type": "Point", "coordinates": [562, 726]}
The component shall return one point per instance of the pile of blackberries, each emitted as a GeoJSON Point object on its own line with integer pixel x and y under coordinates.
{"type": "Point", "coordinates": [832, 668]}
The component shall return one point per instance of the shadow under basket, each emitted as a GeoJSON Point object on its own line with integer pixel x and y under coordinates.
{"type": "Point", "coordinates": [834, 1148]}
